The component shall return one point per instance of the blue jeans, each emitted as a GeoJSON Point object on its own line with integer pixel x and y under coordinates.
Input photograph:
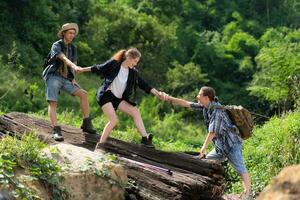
{"type": "Point", "coordinates": [55, 83]}
{"type": "Point", "coordinates": [234, 156]}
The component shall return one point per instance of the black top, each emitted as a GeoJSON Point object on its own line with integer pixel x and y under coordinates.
{"type": "Point", "coordinates": [109, 71]}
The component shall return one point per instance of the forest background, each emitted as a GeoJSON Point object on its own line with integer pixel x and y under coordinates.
{"type": "Point", "coordinates": [247, 50]}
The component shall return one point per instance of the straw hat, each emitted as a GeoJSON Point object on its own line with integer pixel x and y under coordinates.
{"type": "Point", "coordinates": [66, 27]}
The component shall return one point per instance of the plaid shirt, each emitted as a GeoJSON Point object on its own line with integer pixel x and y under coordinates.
{"type": "Point", "coordinates": [218, 122]}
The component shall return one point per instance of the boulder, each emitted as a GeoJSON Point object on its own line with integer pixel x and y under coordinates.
{"type": "Point", "coordinates": [88, 175]}
{"type": "Point", "coordinates": [285, 186]}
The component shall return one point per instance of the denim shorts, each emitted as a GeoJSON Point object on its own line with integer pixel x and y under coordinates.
{"type": "Point", "coordinates": [55, 83]}
{"type": "Point", "coordinates": [234, 156]}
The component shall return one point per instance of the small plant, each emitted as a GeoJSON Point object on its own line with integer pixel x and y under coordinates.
{"type": "Point", "coordinates": [26, 154]}
{"type": "Point", "coordinates": [106, 161]}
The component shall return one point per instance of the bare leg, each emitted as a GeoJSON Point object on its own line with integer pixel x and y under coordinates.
{"type": "Point", "coordinates": [110, 113]}
{"type": "Point", "coordinates": [135, 114]}
{"type": "Point", "coordinates": [52, 105]}
{"type": "Point", "coordinates": [246, 182]}
{"type": "Point", "coordinates": [84, 104]}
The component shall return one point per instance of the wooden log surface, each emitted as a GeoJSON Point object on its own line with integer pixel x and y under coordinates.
{"type": "Point", "coordinates": [190, 179]}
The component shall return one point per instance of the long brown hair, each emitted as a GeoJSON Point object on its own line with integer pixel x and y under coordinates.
{"type": "Point", "coordinates": [122, 54]}
{"type": "Point", "coordinates": [210, 93]}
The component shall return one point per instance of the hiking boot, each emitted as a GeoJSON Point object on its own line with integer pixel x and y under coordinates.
{"type": "Point", "coordinates": [87, 126]}
{"type": "Point", "coordinates": [57, 133]}
{"type": "Point", "coordinates": [147, 140]}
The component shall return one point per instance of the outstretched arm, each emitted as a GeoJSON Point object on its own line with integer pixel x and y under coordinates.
{"type": "Point", "coordinates": [99, 69]}
{"type": "Point", "coordinates": [178, 101]}
{"type": "Point", "coordinates": [155, 92]}
{"type": "Point", "coordinates": [68, 62]}
{"type": "Point", "coordinates": [83, 69]}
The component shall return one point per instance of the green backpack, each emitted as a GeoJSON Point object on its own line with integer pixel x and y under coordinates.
{"type": "Point", "coordinates": [241, 117]}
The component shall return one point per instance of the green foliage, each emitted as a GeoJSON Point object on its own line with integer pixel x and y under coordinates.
{"type": "Point", "coordinates": [184, 79]}
{"type": "Point", "coordinates": [243, 47]}
{"type": "Point", "coordinates": [219, 36]}
{"type": "Point", "coordinates": [29, 27]}
{"type": "Point", "coordinates": [230, 29]}
{"type": "Point", "coordinates": [5, 73]}
{"type": "Point", "coordinates": [26, 154]}
{"type": "Point", "coordinates": [229, 65]}
{"type": "Point", "coordinates": [175, 134]}
{"type": "Point", "coordinates": [86, 54]}
{"type": "Point", "coordinates": [273, 146]}
{"type": "Point", "coordinates": [142, 31]}
{"type": "Point", "coordinates": [242, 44]}
{"type": "Point", "coordinates": [278, 63]}
{"type": "Point", "coordinates": [26, 95]}
{"type": "Point", "coordinates": [247, 50]}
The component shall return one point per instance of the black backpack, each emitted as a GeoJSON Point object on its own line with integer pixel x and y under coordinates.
{"type": "Point", "coordinates": [48, 60]}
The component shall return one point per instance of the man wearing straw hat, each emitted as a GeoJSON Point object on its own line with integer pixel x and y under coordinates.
{"type": "Point", "coordinates": [59, 74]}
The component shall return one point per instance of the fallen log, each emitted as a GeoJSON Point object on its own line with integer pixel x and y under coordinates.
{"type": "Point", "coordinates": [147, 168]}
{"type": "Point", "coordinates": [175, 186]}
{"type": "Point", "coordinates": [178, 160]}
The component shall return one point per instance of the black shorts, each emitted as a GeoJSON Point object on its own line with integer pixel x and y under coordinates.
{"type": "Point", "coordinates": [107, 97]}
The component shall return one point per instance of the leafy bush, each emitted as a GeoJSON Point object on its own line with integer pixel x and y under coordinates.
{"type": "Point", "coordinates": [184, 79]}
{"type": "Point", "coordinates": [26, 154]}
{"type": "Point", "coordinates": [278, 64]}
{"type": "Point", "coordinates": [26, 93]}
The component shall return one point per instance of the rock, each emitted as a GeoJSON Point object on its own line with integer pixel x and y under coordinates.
{"type": "Point", "coordinates": [23, 176]}
{"type": "Point", "coordinates": [285, 186]}
{"type": "Point", "coordinates": [88, 175]}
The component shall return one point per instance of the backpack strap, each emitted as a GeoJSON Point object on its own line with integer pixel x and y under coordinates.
{"type": "Point", "coordinates": [220, 107]}
{"type": "Point", "coordinates": [50, 59]}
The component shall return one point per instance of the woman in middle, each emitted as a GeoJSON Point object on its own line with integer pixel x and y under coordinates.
{"type": "Point", "coordinates": [120, 79]}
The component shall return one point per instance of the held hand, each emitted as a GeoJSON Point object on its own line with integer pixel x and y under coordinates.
{"type": "Point", "coordinates": [78, 69]}
{"type": "Point", "coordinates": [163, 96]}
{"type": "Point", "coordinates": [155, 92]}
{"type": "Point", "coordinates": [160, 95]}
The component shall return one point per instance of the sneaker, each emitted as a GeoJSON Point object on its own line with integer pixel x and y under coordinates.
{"type": "Point", "coordinates": [57, 133]}
{"type": "Point", "coordinates": [147, 140]}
